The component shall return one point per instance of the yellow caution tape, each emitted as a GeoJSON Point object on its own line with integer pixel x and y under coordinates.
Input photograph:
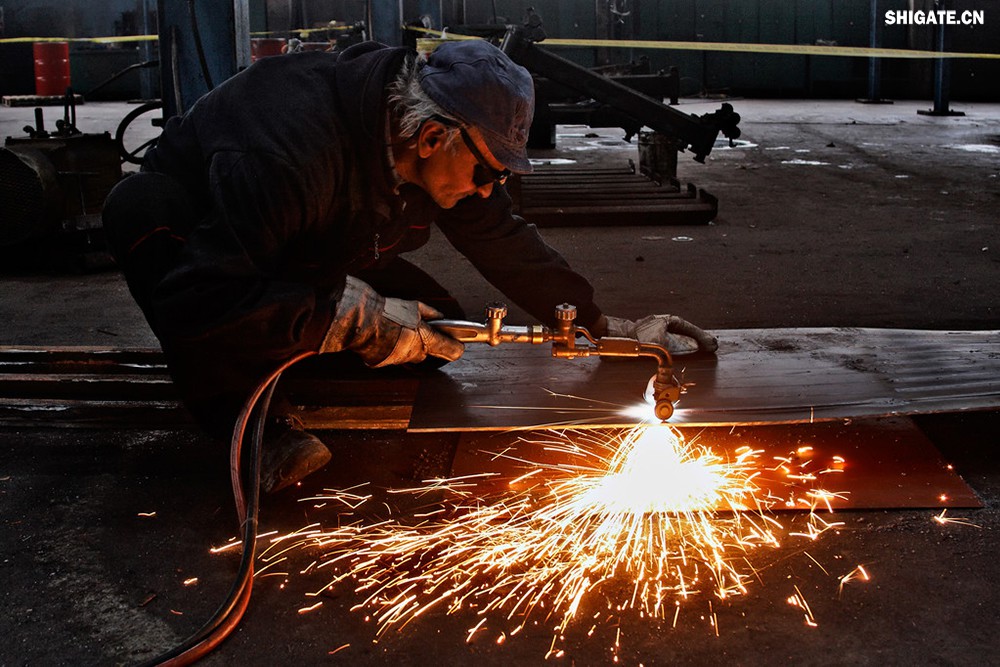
{"type": "Point", "coordinates": [440, 34]}
{"type": "Point", "coordinates": [735, 47]}
{"type": "Point", "coordinates": [789, 49]}
{"type": "Point", "coordinates": [153, 38]}
{"type": "Point", "coordinates": [301, 32]}
{"type": "Point", "coordinates": [98, 40]}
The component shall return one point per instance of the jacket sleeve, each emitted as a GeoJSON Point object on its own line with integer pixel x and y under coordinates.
{"type": "Point", "coordinates": [511, 254]}
{"type": "Point", "coordinates": [226, 295]}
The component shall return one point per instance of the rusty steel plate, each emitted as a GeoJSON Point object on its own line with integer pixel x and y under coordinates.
{"type": "Point", "coordinates": [875, 464]}
{"type": "Point", "coordinates": [758, 376]}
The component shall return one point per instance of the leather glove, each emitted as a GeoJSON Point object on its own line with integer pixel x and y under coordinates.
{"type": "Point", "coordinates": [386, 331]}
{"type": "Point", "coordinates": [674, 333]}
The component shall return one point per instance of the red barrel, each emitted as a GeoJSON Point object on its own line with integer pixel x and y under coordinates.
{"type": "Point", "coordinates": [51, 68]}
{"type": "Point", "coordinates": [265, 46]}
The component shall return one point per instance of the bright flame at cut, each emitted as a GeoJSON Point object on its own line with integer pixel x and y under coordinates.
{"type": "Point", "coordinates": [654, 472]}
{"type": "Point", "coordinates": [635, 521]}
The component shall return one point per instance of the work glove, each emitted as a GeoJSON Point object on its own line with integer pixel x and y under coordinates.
{"type": "Point", "coordinates": [676, 334]}
{"type": "Point", "coordinates": [386, 331]}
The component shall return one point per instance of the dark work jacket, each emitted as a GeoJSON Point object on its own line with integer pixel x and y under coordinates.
{"type": "Point", "coordinates": [287, 164]}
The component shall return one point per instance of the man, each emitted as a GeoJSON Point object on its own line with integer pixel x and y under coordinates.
{"type": "Point", "coordinates": [268, 221]}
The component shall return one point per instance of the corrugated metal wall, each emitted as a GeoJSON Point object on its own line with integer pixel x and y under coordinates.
{"type": "Point", "coordinates": [842, 22]}
{"type": "Point", "coordinates": [837, 22]}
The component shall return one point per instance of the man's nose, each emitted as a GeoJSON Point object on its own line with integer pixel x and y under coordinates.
{"type": "Point", "coordinates": [485, 191]}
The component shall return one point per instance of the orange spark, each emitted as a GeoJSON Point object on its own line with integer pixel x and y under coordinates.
{"type": "Point", "coordinates": [638, 517]}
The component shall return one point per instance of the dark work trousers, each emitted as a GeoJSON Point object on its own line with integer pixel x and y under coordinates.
{"type": "Point", "coordinates": [147, 218]}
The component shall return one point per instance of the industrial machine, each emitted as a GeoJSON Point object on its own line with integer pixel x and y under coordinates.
{"type": "Point", "coordinates": [647, 193]}
{"type": "Point", "coordinates": [698, 133]}
{"type": "Point", "coordinates": [52, 189]}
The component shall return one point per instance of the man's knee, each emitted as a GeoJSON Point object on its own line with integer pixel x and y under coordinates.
{"type": "Point", "coordinates": [146, 218]}
{"type": "Point", "coordinates": [141, 206]}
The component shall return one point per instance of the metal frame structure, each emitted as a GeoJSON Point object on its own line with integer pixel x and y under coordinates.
{"type": "Point", "coordinates": [697, 132]}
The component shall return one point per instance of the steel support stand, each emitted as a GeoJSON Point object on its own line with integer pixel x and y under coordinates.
{"type": "Point", "coordinates": [942, 76]}
{"type": "Point", "coordinates": [874, 63]}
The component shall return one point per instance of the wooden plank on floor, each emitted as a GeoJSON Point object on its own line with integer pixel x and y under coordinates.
{"type": "Point", "coordinates": [561, 197]}
{"type": "Point", "coordinates": [39, 100]}
{"type": "Point", "coordinates": [88, 413]}
{"type": "Point", "coordinates": [95, 387]}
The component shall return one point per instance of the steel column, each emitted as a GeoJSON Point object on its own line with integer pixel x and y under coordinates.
{"type": "Point", "coordinates": [386, 21]}
{"type": "Point", "coordinates": [146, 82]}
{"type": "Point", "coordinates": [874, 64]}
{"type": "Point", "coordinates": [202, 43]}
{"type": "Point", "coordinates": [942, 73]}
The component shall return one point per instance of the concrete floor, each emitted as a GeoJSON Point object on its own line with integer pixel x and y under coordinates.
{"type": "Point", "coordinates": [834, 214]}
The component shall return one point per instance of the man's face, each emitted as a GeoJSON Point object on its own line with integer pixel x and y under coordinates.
{"type": "Point", "coordinates": [447, 164]}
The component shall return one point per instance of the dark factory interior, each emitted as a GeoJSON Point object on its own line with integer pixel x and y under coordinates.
{"type": "Point", "coordinates": [814, 185]}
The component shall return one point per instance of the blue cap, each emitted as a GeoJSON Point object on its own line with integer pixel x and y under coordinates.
{"type": "Point", "coordinates": [481, 86]}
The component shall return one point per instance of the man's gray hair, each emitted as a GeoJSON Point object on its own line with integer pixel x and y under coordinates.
{"type": "Point", "coordinates": [410, 103]}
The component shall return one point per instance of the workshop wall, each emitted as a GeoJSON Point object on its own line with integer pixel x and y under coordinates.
{"type": "Point", "coordinates": [288, 15]}
{"type": "Point", "coordinates": [67, 18]}
{"type": "Point", "coordinates": [824, 22]}
{"type": "Point", "coordinates": [813, 22]}
{"type": "Point", "coordinates": [790, 22]}
{"type": "Point", "coordinates": [90, 64]}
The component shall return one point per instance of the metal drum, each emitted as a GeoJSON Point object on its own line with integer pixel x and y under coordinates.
{"type": "Point", "coordinates": [265, 46]}
{"type": "Point", "coordinates": [51, 68]}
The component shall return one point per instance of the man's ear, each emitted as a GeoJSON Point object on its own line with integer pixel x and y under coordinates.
{"type": "Point", "coordinates": [431, 138]}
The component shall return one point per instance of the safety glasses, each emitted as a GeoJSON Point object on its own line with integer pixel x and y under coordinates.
{"type": "Point", "coordinates": [482, 173]}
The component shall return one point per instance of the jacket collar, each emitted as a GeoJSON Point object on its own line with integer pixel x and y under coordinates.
{"type": "Point", "coordinates": [364, 71]}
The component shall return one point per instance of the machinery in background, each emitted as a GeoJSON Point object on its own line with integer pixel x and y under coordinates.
{"type": "Point", "coordinates": [696, 133]}
{"type": "Point", "coordinates": [559, 104]}
{"type": "Point", "coordinates": [650, 194]}
{"type": "Point", "coordinates": [628, 96]}
{"type": "Point", "coordinates": [53, 184]}
{"type": "Point", "coordinates": [52, 189]}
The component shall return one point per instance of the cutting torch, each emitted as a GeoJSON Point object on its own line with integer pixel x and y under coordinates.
{"type": "Point", "coordinates": [570, 341]}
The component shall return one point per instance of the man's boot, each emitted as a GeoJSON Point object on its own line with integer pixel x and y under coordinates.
{"type": "Point", "coordinates": [290, 453]}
